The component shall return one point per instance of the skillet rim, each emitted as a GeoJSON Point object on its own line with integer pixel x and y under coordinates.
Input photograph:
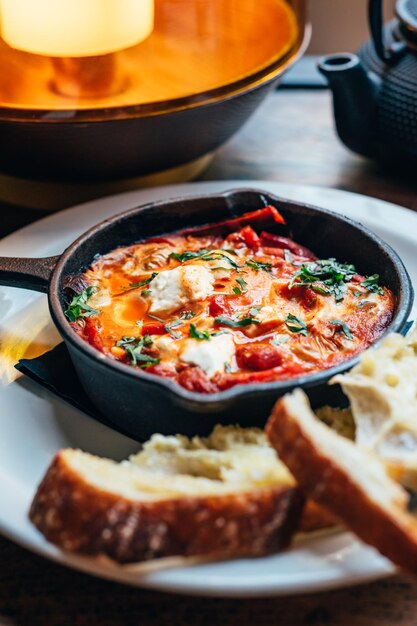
{"type": "Point", "coordinates": [404, 306]}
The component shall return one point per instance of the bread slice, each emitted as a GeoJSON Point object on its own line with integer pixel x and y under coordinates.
{"type": "Point", "coordinates": [349, 481]}
{"type": "Point", "coordinates": [223, 496]}
{"type": "Point", "coordinates": [382, 390]}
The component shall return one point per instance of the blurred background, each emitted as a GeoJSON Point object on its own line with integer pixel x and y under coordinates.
{"type": "Point", "coordinates": [341, 25]}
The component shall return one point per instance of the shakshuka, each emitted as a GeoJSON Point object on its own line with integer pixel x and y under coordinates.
{"type": "Point", "coordinates": [226, 304]}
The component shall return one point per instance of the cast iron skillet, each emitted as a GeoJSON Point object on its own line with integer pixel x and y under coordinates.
{"type": "Point", "coordinates": [140, 403]}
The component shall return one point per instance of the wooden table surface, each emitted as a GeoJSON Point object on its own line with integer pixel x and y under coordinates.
{"type": "Point", "coordinates": [289, 139]}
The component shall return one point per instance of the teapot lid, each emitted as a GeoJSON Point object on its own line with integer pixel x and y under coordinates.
{"type": "Point", "coordinates": [406, 11]}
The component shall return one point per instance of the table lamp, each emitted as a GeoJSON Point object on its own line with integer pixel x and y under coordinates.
{"type": "Point", "coordinates": [108, 90]}
{"type": "Point", "coordinates": [82, 38]}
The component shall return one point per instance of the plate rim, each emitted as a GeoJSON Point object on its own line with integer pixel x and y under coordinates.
{"type": "Point", "coordinates": [33, 231]}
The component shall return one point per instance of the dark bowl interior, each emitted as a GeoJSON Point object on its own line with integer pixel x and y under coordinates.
{"type": "Point", "coordinates": [141, 403]}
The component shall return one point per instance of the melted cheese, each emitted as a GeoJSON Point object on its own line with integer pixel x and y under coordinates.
{"type": "Point", "coordinates": [211, 356]}
{"type": "Point", "coordinates": [172, 289]}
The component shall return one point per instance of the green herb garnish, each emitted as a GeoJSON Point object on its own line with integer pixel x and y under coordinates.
{"type": "Point", "coordinates": [325, 276]}
{"type": "Point", "coordinates": [142, 283]}
{"type": "Point", "coordinates": [279, 339]}
{"type": "Point", "coordinates": [364, 303]}
{"type": "Point", "coordinates": [216, 255]}
{"type": "Point", "coordinates": [170, 328]}
{"type": "Point", "coordinates": [243, 284]}
{"type": "Point", "coordinates": [296, 325]}
{"type": "Point", "coordinates": [287, 256]}
{"type": "Point", "coordinates": [155, 317]}
{"type": "Point", "coordinates": [188, 255]}
{"type": "Point", "coordinates": [343, 327]}
{"type": "Point", "coordinates": [187, 315]}
{"type": "Point", "coordinates": [134, 347]}
{"type": "Point", "coordinates": [79, 308]}
{"type": "Point", "coordinates": [371, 283]}
{"type": "Point", "coordinates": [199, 335]}
{"type": "Point", "coordinates": [237, 291]}
{"type": "Point", "coordinates": [204, 255]}
{"type": "Point", "coordinates": [233, 323]}
{"type": "Point", "coordinates": [145, 292]}
{"type": "Point", "coordinates": [257, 266]}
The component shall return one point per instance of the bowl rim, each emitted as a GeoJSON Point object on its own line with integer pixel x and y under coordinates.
{"type": "Point", "coordinates": [234, 89]}
{"type": "Point", "coordinates": [172, 388]}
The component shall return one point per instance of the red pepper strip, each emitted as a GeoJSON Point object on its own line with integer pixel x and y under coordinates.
{"type": "Point", "coordinates": [158, 240]}
{"type": "Point", "coordinates": [287, 370]}
{"type": "Point", "coordinates": [218, 306]}
{"type": "Point", "coordinates": [92, 334]}
{"type": "Point", "coordinates": [250, 238]}
{"type": "Point", "coordinates": [261, 217]}
{"type": "Point", "coordinates": [268, 239]}
{"type": "Point", "coordinates": [154, 328]}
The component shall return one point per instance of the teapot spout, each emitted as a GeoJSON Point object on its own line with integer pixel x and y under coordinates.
{"type": "Point", "coordinates": [355, 93]}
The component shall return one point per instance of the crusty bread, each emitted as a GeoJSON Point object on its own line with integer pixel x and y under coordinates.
{"type": "Point", "coordinates": [349, 481]}
{"type": "Point", "coordinates": [223, 496]}
{"type": "Point", "coordinates": [382, 390]}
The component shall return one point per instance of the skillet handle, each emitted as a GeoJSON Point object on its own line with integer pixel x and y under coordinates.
{"type": "Point", "coordinates": [27, 273]}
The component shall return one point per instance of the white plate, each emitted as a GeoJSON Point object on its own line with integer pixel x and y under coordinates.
{"type": "Point", "coordinates": [34, 424]}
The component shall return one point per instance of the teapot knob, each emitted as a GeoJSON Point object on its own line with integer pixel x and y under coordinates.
{"type": "Point", "coordinates": [376, 22]}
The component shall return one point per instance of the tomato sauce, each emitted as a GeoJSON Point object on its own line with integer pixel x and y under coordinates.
{"type": "Point", "coordinates": [235, 302]}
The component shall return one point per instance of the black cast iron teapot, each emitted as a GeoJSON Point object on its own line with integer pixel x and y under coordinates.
{"type": "Point", "coordinates": [375, 91]}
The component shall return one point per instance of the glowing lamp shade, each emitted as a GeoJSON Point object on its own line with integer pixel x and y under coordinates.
{"type": "Point", "coordinates": [75, 28]}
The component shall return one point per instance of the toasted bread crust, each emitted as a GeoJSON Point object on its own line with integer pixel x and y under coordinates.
{"type": "Point", "coordinates": [388, 528]}
{"type": "Point", "coordinates": [79, 517]}
{"type": "Point", "coordinates": [316, 517]}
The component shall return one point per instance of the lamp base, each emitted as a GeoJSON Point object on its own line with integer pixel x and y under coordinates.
{"type": "Point", "coordinates": [54, 196]}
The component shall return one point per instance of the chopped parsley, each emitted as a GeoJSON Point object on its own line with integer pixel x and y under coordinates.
{"type": "Point", "coordinates": [365, 303]}
{"type": "Point", "coordinates": [78, 306]}
{"type": "Point", "coordinates": [325, 276]}
{"type": "Point", "coordinates": [155, 317]}
{"type": "Point", "coordinates": [296, 325]}
{"type": "Point", "coordinates": [216, 255]}
{"type": "Point", "coordinates": [257, 266]}
{"type": "Point", "coordinates": [145, 292]}
{"type": "Point", "coordinates": [287, 256]}
{"type": "Point", "coordinates": [199, 335]}
{"type": "Point", "coordinates": [170, 328]}
{"type": "Point", "coordinates": [142, 283]}
{"type": "Point", "coordinates": [371, 283]}
{"type": "Point", "coordinates": [343, 327]}
{"type": "Point", "coordinates": [204, 255]}
{"type": "Point", "coordinates": [243, 284]}
{"type": "Point", "coordinates": [187, 315]}
{"type": "Point", "coordinates": [279, 339]}
{"type": "Point", "coordinates": [134, 347]}
{"type": "Point", "coordinates": [188, 255]}
{"type": "Point", "coordinates": [233, 323]}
